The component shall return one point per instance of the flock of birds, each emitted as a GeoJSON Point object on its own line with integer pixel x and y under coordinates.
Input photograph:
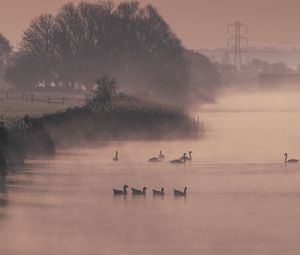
{"type": "Point", "coordinates": [137, 192]}
{"type": "Point", "coordinates": [159, 158]}
{"type": "Point", "coordinates": [181, 160]}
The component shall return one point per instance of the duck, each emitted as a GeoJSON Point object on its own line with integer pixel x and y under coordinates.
{"type": "Point", "coordinates": [120, 192]}
{"type": "Point", "coordinates": [186, 157]}
{"type": "Point", "coordinates": [139, 192]}
{"type": "Point", "coordinates": [116, 158]}
{"type": "Point", "coordinates": [179, 193]}
{"type": "Point", "coordinates": [290, 160]}
{"type": "Point", "coordinates": [179, 161]}
{"type": "Point", "coordinates": [159, 192]}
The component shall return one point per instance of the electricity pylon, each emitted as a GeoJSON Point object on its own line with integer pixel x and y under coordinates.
{"type": "Point", "coordinates": [234, 42]}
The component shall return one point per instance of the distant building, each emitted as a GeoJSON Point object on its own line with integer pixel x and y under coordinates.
{"type": "Point", "coordinates": [279, 80]}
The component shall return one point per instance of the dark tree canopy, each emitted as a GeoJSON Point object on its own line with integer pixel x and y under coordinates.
{"type": "Point", "coordinates": [5, 47]}
{"type": "Point", "coordinates": [129, 42]}
{"type": "Point", "coordinates": [5, 51]}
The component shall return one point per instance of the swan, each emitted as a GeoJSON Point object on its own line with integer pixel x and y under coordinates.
{"type": "Point", "coordinates": [120, 192]}
{"type": "Point", "coordinates": [159, 192]}
{"type": "Point", "coordinates": [179, 193]}
{"type": "Point", "coordinates": [186, 157]}
{"type": "Point", "coordinates": [139, 192]}
{"type": "Point", "coordinates": [160, 158]}
{"type": "Point", "coordinates": [290, 160]}
{"type": "Point", "coordinates": [116, 158]}
{"type": "Point", "coordinates": [155, 159]}
{"type": "Point", "coordinates": [182, 160]}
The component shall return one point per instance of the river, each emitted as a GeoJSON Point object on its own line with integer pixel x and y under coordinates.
{"type": "Point", "coordinates": [241, 197]}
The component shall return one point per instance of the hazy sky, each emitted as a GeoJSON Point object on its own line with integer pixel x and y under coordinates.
{"type": "Point", "coordinates": [199, 23]}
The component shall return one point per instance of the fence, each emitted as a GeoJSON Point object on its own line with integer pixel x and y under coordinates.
{"type": "Point", "coordinates": [44, 98]}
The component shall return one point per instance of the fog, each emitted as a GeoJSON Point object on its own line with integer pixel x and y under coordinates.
{"type": "Point", "coordinates": [257, 100]}
{"type": "Point", "coordinates": [242, 198]}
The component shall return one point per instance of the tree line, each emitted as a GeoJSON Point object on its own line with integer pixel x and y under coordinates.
{"type": "Point", "coordinates": [81, 42]}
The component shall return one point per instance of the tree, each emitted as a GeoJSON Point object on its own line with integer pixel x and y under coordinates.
{"type": "Point", "coordinates": [134, 44]}
{"type": "Point", "coordinates": [5, 51]}
{"type": "Point", "coordinates": [5, 47]}
{"type": "Point", "coordinates": [103, 95]}
{"type": "Point", "coordinates": [254, 67]}
{"type": "Point", "coordinates": [38, 44]}
{"type": "Point", "coordinates": [280, 67]}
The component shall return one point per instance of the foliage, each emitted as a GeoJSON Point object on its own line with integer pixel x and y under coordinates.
{"type": "Point", "coordinates": [103, 94]}
{"type": "Point", "coordinates": [127, 117]}
{"type": "Point", "coordinates": [131, 43]}
{"type": "Point", "coordinates": [22, 138]}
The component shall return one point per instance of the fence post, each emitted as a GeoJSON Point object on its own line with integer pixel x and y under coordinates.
{"type": "Point", "coordinates": [63, 100]}
{"type": "Point", "coordinates": [6, 95]}
{"type": "Point", "coordinates": [23, 97]}
{"type": "Point", "coordinates": [49, 100]}
{"type": "Point", "coordinates": [31, 97]}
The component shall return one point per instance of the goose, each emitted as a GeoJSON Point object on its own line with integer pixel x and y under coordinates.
{"type": "Point", "coordinates": [161, 156]}
{"type": "Point", "coordinates": [139, 192]}
{"type": "Point", "coordinates": [186, 157]}
{"type": "Point", "coordinates": [159, 192]}
{"type": "Point", "coordinates": [290, 160]}
{"type": "Point", "coordinates": [120, 192]}
{"type": "Point", "coordinates": [179, 193]}
{"type": "Point", "coordinates": [116, 158]}
{"type": "Point", "coordinates": [179, 161]}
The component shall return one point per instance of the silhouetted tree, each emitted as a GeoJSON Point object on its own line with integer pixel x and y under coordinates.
{"type": "Point", "coordinates": [133, 44]}
{"type": "Point", "coordinates": [5, 51]}
{"type": "Point", "coordinates": [5, 47]}
{"type": "Point", "coordinates": [38, 43]}
{"type": "Point", "coordinates": [103, 94]}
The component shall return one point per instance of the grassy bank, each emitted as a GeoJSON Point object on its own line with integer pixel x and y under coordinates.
{"type": "Point", "coordinates": [127, 118]}
{"type": "Point", "coordinates": [107, 115]}
{"type": "Point", "coordinates": [22, 138]}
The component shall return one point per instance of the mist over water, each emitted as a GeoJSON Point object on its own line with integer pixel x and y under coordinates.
{"type": "Point", "coordinates": [242, 199]}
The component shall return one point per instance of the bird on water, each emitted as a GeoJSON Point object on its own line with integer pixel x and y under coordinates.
{"type": "Point", "coordinates": [139, 192]}
{"type": "Point", "coordinates": [178, 193]}
{"type": "Point", "coordinates": [116, 158]}
{"type": "Point", "coordinates": [118, 192]}
{"type": "Point", "coordinates": [290, 160]}
{"type": "Point", "coordinates": [179, 161]}
{"type": "Point", "coordinates": [160, 158]}
{"type": "Point", "coordinates": [159, 192]}
{"type": "Point", "coordinates": [187, 158]}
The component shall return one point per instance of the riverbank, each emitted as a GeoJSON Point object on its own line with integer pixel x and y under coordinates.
{"type": "Point", "coordinates": [124, 117]}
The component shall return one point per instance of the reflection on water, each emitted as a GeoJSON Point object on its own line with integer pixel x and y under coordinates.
{"type": "Point", "coordinates": [241, 198]}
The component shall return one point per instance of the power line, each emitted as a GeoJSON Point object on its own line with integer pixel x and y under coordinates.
{"type": "Point", "coordinates": [235, 42]}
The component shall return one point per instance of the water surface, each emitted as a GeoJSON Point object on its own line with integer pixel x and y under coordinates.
{"type": "Point", "coordinates": [241, 198]}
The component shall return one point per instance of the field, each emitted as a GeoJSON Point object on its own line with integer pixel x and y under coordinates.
{"type": "Point", "coordinates": [15, 104]}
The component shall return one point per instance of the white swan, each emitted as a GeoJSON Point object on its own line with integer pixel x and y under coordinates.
{"type": "Point", "coordinates": [186, 157]}
{"type": "Point", "coordinates": [290, 160]}
{"type": "Point", "coordinates": [182, 160]}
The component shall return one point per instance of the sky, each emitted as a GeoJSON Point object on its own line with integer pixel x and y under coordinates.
{"type": "Point", "coordinates": [198, 23]}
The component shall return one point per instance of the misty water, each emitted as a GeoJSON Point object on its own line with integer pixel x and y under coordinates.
{"type": "Point", "coordinates": [242, 198]}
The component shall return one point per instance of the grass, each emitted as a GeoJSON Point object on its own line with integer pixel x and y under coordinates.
{"type": "Point", "coordinates": [16, 107]}
{"type": "Point", "coordinates": [122, 117]}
